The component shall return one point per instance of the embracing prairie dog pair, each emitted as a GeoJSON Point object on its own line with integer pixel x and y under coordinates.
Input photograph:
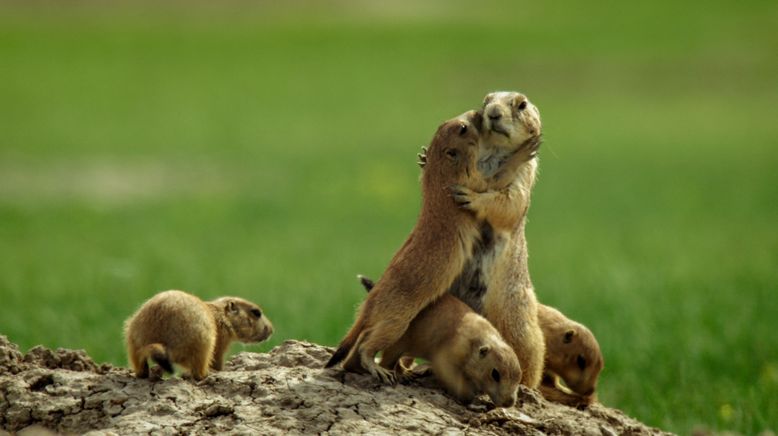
{"type": "Point", "coordinates": [496, 281]}
{"type": "Point", "coordinates": [177, 327]}
{"type": "Point", "coordinates": [434, 253]}
{"type": "Point", "coordinates": [447, 231]}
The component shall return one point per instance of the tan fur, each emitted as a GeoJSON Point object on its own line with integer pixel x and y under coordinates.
{"type": "Point", "coordinates": [466, 354]}
{"type": "Point", "coordinates": [509, 141]}
{"type": "Point", "coordinates": [432, 256]}
{"type": "Point", "coordinates": [497, 282]}
{"type": "Point", "coordinates": [177, 327]}
{"type": "Point", "coordinates": [572, 354]}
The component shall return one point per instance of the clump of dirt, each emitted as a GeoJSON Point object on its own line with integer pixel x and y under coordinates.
{"type": "Point", "coordinates": [280, 392]}
{"type": "Point", "coordinates": [10, 357]}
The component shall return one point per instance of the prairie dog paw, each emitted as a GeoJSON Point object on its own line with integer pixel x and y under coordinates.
{"type": "Point", "coordinates": [422, 157]}
{"type": "Point", "coordinates": [530, 147]}
{"type": "Point", "coordinates": [463, 196]}
{"type": "Point", "coordinates": [386, 376]}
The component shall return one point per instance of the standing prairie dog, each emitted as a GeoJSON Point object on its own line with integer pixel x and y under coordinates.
{"type": "Point", "coordinates": [432, 255]}
{"type": "Point", "coordinates": [177, 327]}
{"type": "Point", "coordinates": [572, 354]}
{"type": "Point", "coordinates": [466, 353]}
{"type": "Point", "coordinates": [495, 282]}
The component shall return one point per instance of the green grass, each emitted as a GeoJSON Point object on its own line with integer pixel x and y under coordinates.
{"type": "Point", "coordinates": [249, 150]}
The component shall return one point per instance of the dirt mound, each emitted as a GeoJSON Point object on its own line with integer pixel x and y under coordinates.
{"type": "Point", "coordinates": [281, 392]}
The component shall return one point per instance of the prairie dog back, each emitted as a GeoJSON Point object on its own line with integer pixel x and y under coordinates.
{"type": "Point", "coordinates": [177, 327]}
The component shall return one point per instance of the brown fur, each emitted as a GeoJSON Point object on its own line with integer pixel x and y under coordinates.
{"type": "Point", "coordinates": [572, 354]}
{"type": "Point", "coordinates": [177, 327]}
{"type": "Point", "coordinates": [432, 256]}
{"type": "Point", "coordinates": [496, 283]}
{"type": "Point", "coordinates": [466, 353]}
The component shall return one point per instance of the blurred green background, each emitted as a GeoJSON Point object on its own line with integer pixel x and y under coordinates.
{"type": "Point", "coordinates": [268, 151]}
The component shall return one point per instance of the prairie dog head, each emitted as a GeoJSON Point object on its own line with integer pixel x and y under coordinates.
{"type": "Point", "coordinates": [574, 355]}
{"type": "Point", "coordinates": [494, 368]}
{"type": "Point", "coordinates": [453, 152]}
{"type": "Point", "coordinates": [509, 119]}
{"type": "Point", "coordinates": [245, 318]}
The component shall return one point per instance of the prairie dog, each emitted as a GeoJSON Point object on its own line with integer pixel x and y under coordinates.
{"type": "Point", "coordinates": [572, 354]}
{"type": "Point", "coordinates": [177, 327]}
{"type": "Point", "coordinates": [432, 255]}
{"type": "Point", "coordinates": [496, 281]}
{"type": "Point", "coordinates": [466, 353]}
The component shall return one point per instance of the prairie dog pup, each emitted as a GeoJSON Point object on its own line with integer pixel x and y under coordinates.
{"type": "Point", "coordinates": [177, 327]}
{"type": "Point", "coordinates": [431, 257]}
{"type": "Point", "coordinates": [466, 353]}
{"type": "Point", "coordinates": [572, 353]}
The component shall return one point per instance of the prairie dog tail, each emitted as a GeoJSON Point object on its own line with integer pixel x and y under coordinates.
{"type": "Point", "coordinates": [347, 343]}
{"type": "Point", "coordinates": [158, 353]}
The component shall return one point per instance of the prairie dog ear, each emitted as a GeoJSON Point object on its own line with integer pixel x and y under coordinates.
{"type": "Point", "coordinates": [483, 350]}
{"type": "Point", "coordinates": [231, 307]}
{"type": "Point", "coordinates": [478, 119]}
{"type": "Point", "coordinates": [568, 336]}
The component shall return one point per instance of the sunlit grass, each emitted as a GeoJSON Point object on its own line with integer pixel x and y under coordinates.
{"type": "Point", "coordinates": [272, 156]}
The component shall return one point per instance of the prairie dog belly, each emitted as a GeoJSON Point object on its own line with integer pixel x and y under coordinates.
{"type": "Point", "coordinates": [471, 285]}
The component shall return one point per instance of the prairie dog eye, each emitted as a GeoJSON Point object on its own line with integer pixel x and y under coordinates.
{"type": "Point", "coordinates": [522, 105]}
{"type": "Point", "coordinates": [462, 129]}
{"type": "Point", "coordinates": [453, 153]}
{"type": "Point", "coordinates": [496, 375]}
{"type": "Point", "coordinates": [257, 313]}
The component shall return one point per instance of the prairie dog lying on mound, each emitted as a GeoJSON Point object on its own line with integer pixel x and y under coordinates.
{"type": "Point", "coordinates": [177, 327]}
{"type": "Point", "coordinates": [572, 354]}
{"type": "Point", "coordinates": [466, 353]}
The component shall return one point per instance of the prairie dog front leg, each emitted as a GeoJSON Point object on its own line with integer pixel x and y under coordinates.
{"type": "Point", "coordinates": [501, 208]}
{"type": "Point", "coordinates": [506, 200]}
{"type": "Point", "coordinates": [509, 170]}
